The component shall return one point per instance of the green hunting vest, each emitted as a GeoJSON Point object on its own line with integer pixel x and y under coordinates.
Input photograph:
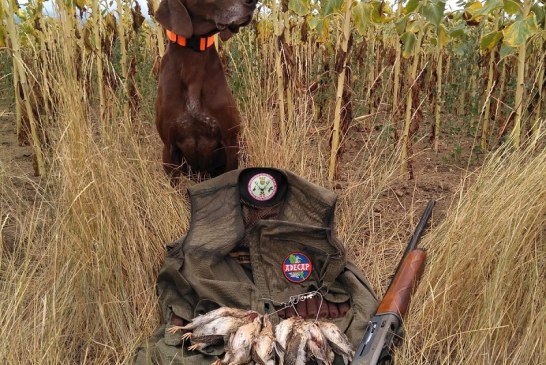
{"type": "Point", "coordinates": [199, 274]}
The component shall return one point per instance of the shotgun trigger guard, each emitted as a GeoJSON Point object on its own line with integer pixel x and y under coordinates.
{"type": "Point", "coordinates": [385, 358]}
{"type": "Point", "coordinates": [398, 336]}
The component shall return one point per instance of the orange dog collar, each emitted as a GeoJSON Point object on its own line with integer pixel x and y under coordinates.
{"type": "Point", "coordinates": [196, 43]}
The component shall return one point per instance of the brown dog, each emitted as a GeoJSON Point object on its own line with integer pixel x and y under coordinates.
{"type": "Point", "coordinates": [196, 114]}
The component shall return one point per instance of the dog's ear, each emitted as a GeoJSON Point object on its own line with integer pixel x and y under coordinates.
{"type": "Point", "coordinates": [173, 15]}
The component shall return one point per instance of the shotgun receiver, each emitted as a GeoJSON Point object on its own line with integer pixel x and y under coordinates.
{"type": "Point", "coordinates": [385, 328]}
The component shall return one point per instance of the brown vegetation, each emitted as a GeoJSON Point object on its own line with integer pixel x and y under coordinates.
{"type": "Point", "coordinates": [80, 246]}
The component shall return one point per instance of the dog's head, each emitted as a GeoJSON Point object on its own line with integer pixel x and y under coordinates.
{"type": "Point", "coordinates": [205, 17]}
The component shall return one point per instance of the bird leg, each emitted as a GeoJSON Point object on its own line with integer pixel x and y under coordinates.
{"type": "Point", "coordinates": [174, 329]}
{"type": "Point", "coordinates": [197, 346]}
{"type": "Point", "coordinates": [186, 336]}
{"type": "Point", "coordinates": [218, 362]}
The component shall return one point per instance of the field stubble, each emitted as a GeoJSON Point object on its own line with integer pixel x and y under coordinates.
{"type": "Point", "coordinates": [80, 255]}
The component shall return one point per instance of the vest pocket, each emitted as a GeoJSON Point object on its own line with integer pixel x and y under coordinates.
{"type": "Point", "coordinates": [289, 259]}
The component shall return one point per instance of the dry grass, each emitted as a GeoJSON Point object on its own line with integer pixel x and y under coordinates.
{"type": "Point", "coordinates": [79, 261]}
{"type": "Point", "coordinates": [78, 285]}
{"type": "Point", "coordinates": [483, 297]}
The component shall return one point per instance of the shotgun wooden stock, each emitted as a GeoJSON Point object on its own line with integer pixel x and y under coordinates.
{"type": "Point", "coordinates": [397, 298]}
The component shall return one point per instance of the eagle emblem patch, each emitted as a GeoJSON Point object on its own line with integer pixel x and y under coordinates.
{"type": "Point", "coordinates": [262, 187]}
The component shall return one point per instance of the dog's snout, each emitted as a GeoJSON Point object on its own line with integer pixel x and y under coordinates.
{"type": "Point", "coordinates": [252, 2]}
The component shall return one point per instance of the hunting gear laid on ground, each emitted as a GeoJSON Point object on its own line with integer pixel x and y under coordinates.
{"type": "Point", "coordinates": [262, 241]}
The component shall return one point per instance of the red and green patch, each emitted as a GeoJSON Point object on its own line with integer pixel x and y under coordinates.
{"type": "Point", "coordinates": [297, 267]}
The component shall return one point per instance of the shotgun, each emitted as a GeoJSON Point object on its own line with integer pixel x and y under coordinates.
{"type": "Point", "coordinates": [385, 328]}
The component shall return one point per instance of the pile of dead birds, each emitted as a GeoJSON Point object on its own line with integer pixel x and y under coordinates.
{"type": "Point", "coordinates": [248, 336]}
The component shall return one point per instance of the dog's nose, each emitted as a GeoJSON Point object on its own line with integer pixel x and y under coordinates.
{"type": "Point", "coordinates": [252, 2]}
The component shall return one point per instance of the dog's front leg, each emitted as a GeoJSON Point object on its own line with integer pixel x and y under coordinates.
{"type": "Point", "coordinates": [172, 163]}
{"type": "Point", "coordinates": [195, 110]}
{"type": "Point", "coordinates": [194, 99]}
{"type": "Point", "coordinates": [232, 157]}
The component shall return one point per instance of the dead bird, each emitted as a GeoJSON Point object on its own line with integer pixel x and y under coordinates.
{"type": "Point", "coordinates": [263, 346]}
{"type": "Point", "coordinates": [240, 343]}
{"type": "Point", "coordinates": [215, 331]}
{"type": "Point", "coordinates": [338, 340]}
{"type": "Point", "coordinates": [214, 314]}
{"type": "Point", "coordinates": [317, 344]}
{"type": "Point", "coordinates": [296, 346]}
{"type": "Point", "coordinates": [282, 332]}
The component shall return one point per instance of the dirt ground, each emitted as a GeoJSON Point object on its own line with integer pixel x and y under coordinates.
{"type": "Point", "coordinates": [16, 160]}
{"type": "Point", "coordinates": [436, 175]}
{"type": "Point", "coordinates": [16, 163]}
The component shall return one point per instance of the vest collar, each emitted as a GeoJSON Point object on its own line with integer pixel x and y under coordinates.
{"type": "Point", "coordinates": [216, 216]}
{"type": "Point", "coordinates": [198, 44]}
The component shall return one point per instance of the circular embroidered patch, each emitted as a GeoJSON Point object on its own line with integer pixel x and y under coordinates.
{"type": "Point", "coordinates": [297, 267]}
{"type": "Point", "coordinates": [262, 187]}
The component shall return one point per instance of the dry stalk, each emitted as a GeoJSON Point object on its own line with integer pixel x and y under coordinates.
{"type": "Point", "coordinates": [344, 43]}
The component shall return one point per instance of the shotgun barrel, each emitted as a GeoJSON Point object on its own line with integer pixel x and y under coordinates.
{"type": "Point", "coordinates": [419, 230]}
